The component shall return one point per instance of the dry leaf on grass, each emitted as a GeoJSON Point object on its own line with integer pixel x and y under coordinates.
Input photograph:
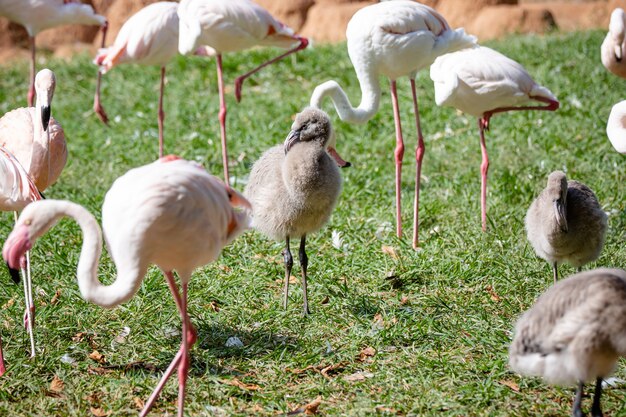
{"type": "Point", "coordinates": [237, 383]}
{"type": "Point", "coordinates": [99, 412]}
{"type": "Point", "coordinates": [390, 250]}
{"type": "Point", "coordinates": [57, 384]}
{"type": "Point", "coordinates": [358, 376]}
{"type": "Point", "coordinates": [509, 384]}
{"type": "Point", "coordinates": [97, 356]}
{"type": "Point", "coordinates": [55, 298]}
{"type": "Point", "coordinates": [366, 353]}
{"type": "Point", "coordinates": [308, 409]}
{"type": "Point", "coordinates": [138, 403]}
{"type": "Point", "coordinates": [492, 294]}
{"type": "Point", "coordinates": [9, 303]}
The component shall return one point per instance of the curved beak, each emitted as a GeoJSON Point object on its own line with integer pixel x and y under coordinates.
{"type": "Point", "coordinates": [237, 199]}
{"type": "Point", "coordinates": [16, 245]}
{"type": "Point", "coordinates": [292, 139]}
{"type": "Point", "coordinates": [14, 273]}
{"type": "Point", "coordinates": [618, 53]}
{"type": "Point", "coordinates": [45, 116]}
{"type": "Point", "coordinates": [560, 214]}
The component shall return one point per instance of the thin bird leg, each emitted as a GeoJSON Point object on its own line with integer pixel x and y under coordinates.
{"type": "Point", "coordinates": [419, 155]}
{"type": "Point", "coordinates": [2, 367]}
{"type": "Point", "coordinates": [552, 105]}
{"type": "Point", "coordinates": [399, 154]}
{"type": "Point", "coordinates": [191, 339]}
{"type": "Point", "coordinates": [555, 269]}
{"type": "Point", "coordinates": [304, 263]}
{"type": "Point", "coordinates": [97, 107]}
{"type": "Point", "coordinates": [28, 299]}
{"type": "Point", "coordinates": [31, 88]}
{"type": "Point", "coordinates": [183, 368]}
{"type": "Point", "coordinates": [484, 168]}
{"type": "Point", "coordinates": [304, 42]}
{"type": "Point", "coordinates": [222, 117]}
{"type": "Point", "coordinates": [161, 114]}
{"type": "Point", "coordinates": [576, 411]}
{"type": "Point", "coordinates": [288, 265]}
{"type": "Point", "coordinates": [596, 410]}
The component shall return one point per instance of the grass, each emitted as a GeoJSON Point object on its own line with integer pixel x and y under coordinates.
{"type": "Point", "coordinates": [440, 326]}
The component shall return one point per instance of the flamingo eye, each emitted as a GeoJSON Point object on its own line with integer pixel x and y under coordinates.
{"type": "Point", "coordinates": [28, 222]}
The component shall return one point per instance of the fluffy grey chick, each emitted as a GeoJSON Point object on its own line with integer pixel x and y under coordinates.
{"type": "Point", "coordinates": [565, 223]}
{"type": "Point", "coordinates": [294, 187]}
{"type": "Point", "coordinates": [574, 333]}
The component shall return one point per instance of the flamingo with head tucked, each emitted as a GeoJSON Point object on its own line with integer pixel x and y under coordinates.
{"type": "Point", "coordinates": [230, 26]}
{"type": "Point", "coordinates": [38, 15]}
{"type": "Point", "coordinates": [614, 45]}
{"type": "Point", "coordinates": [482, 82]}
{"type": "Point", "coordinates": [171, 213]}
{"type": "Point", "coordinates": [394, 39]}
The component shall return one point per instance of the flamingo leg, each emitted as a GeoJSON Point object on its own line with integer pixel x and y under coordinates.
{"type": "Point", "coordinates": [97, 106]}
{"type": "Point", "coordinates": [222, 117]}
{"type": "Point", "coordinates": [189, 338]}
{"type": "Point", "coordinates": [555, 269]}
{"type": "Point", "coordinates": [304, 263]}
{"type": "Point", "coordinates": [552, 105]}
{"type": "Point", "coordinates": [29, 312]}
{"type": "Point", "coordinates": [484, 168]}
{"type": "Point", "coordinates": [576, 410]}
{"type": "Point", "coordinates": [596, 409]}
{"type": "Point", "coordinates": [161, 114]}
{"type": "Point", "coordinates": [399, 154]}
{"type": "Point", "coordinates": [304, 42]}
{"type": "Point", "coordinates": [31, 88]}
{"type": "Point", "coordinates": [2, 367]}
{"type": "Point", "coordinates": [419, 155]}
{"type": "Point", "coordinates": [288, 265]}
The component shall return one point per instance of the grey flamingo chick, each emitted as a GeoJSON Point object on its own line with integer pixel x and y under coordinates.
{"type": "Point", "coordinates": [574, 333]}
{"type": "Point", "coordinates": [565, 223]}
{"type": "Point", "coordinates": [294, 187]}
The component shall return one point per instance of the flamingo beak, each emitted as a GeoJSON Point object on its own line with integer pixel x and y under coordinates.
{"type": "Point", "coordinates": [16, 245]}
{"type": "Point", "coordinates": [292, 139]}
{"type": "Point", "coordinates": [561, 215]}
{"type": "Point", "coordinates": [45, 116]}
{"type": "Point", "coordinates": [338, 159]}
{"type": "Point", "coordinates": [237, 199]}
{"type": "Point", "coordinates": [14, 273]}
{"type": "Point", "coordinates": [618, 53]}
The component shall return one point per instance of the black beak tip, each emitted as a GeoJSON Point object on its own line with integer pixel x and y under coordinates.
{"type": "Point", "coordinates": [15, 274]}
{"type": "Point", "coordinates": [45, 116]}
{"type": "Point", "coordinates": [347, 165]}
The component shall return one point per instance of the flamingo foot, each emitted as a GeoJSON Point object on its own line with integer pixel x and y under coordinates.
{"type": "Point", "coordinates": [238, 87]}
{"type": "Point", "coordinates": [99, 110]}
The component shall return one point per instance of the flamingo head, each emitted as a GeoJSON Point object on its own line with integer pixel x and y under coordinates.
{"type": "Point", "coordinates": [15, 247]}
{"type": "Point", "coordinates": [240, 219]}
{"type": "Point", "coordinates": [189, 33]}
{"type": "Point", "coordinates": [557, 192]}
{"type": "Point", "coordinates": [45, 83]}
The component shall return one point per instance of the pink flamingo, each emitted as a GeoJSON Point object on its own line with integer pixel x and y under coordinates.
{"type": "Point", "coordinates": [38, 142]}
{"type": "Point", "coordinates": [229, 26]}
{"type": "Point", "coordinates": [171, 213]}
{"type": "Point", "coordinates": [482, 82]}
{"type": "Point", "coordinates": [38, 15]}
{"type": "Point", "coordinates": [395, 39]}
{"type": "Point", "coordinates": [614, 45]}
{"type": "Point", "coordinates": [148, 37]}
{"type": "Point", "coordinates": [16, 191]}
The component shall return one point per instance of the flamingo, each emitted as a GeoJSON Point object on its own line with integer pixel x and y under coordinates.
{"type": "Point", "coordinates": [171, 213]}
{"type": "Point", "coordinates": [482, 82]}
{"type": "Point", "coordinates": [612, 49]}
{"type": "Point", "coordinates": [393, 38]}
{"type": "Point", "coordinates": [16, 191]}
{"type": "Point", "coordinates": [148, 37]}
{"type": "Point", "coordinates": [38, 15]}
{"type": "Point", "coordinates": [616, 127]}
{"type": "Point", "coordinates": [229, 26]}
{"type": "Point", "coordinates": [38, 142]}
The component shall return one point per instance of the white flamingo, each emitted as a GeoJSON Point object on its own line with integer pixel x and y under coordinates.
{"type": "Point", "coordinates": [616, 127]}
{"type": "Point", "coordinates": [171, 213]}
{"type": "Point", "coordinates": [230, 26]}
{"type": "Point", "coordinates": [394, 39]}
{"type": "Point", "coordinates": [482, 82]}
{"type": "Point", "coordinates": [614, 45]}
{"type": "Point", "coordinates": [38, 15]}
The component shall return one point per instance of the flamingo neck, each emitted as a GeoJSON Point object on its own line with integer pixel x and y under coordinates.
{"type": "Point", "coordinates": [370, 98]}
{"type": "Point", "coordinates": [128, 278]}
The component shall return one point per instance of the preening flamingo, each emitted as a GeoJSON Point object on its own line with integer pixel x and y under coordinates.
{"type": "Point", "coordinates": [16, 191]}
{"type": "Point", "coordinates": [148, 37]}
{"type": "Point", "coordinates": [574, 333]}
{"type": "Point", "coordinates": [565, 223]}
{"type": "Point", "coordinates": [482, 82]}
{"type": "Point", "coordinates": [38, 142]}
{"type": "Point", "coordinates": [294, 187]}
{"type": "Point", "coordinates": [614, 45]}
{"type": "Point", "coordinates": [171, 213]}
{"type": "Point", "coordinates": [38, 15]}
{"type": "Point", "coordinates": [230, 26]}
{"type": "Point", "coordinates": [616, 127]}
{"type": "Point", "coordinates": [394, 39]}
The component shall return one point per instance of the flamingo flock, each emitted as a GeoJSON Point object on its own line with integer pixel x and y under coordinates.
{"type": "Point", "coordinates": [174, 214]}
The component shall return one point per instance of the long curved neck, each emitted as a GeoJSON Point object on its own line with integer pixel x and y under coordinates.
{"type": "Point", "coordinates": [128, 278]}
{"type": "Point", "coordinates": [39, 167]}
{"type": "Point", "coordinates": [370, 98]}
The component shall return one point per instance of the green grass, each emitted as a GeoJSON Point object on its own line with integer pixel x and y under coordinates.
{"type": "Point", "coordinates": [440, 328]}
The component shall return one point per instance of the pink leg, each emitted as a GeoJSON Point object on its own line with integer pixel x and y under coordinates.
{"type": "Point", "coordinates": [222, 117]}
{"type": "Point", "coordinates": [484, 167]}
{"type": "Point", "coordinates": [419, 155]}
{"type": "Point", "coordinates": [399, 154]}
{"type": "Point", "coordinates": [97, 106]}
{"type": "Point", "coordinates": [239, 81]}
{"type": "Point", "coordinates": [552, 105]}
{"type": "Point", "coordinates": [161, 113]}
{"type": "Point", "coordinates": [183, 368]}
{"type": "Point", "coordinates": [31, 88]}
{"type": "Point", "coordinates": [183, 354]}
{"type": "Point", "coordinates": [2, 368]}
